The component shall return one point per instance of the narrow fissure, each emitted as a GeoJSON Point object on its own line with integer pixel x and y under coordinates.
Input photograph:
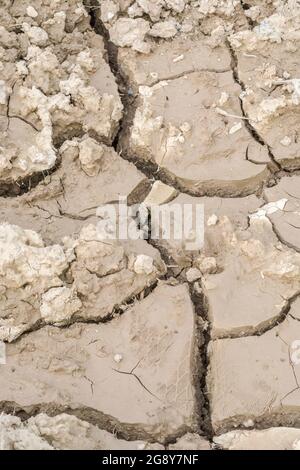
{"type": "Point", "coordinates": [252, 131]}
{"type": "Point", "coordinates": [153, 172]}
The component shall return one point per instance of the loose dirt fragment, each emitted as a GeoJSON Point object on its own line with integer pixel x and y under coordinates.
{"type": "Point", "coordinates": [160, 194]}
{"type": "Point", "coordinates": [149, 393]}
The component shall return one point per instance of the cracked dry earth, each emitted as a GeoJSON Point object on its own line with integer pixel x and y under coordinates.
{"type": "Point", "coordinates": [145, 344]}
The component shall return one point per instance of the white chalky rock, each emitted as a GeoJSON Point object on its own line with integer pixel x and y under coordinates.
{"type": "Point", "coordinates": [15, 436]}
{"type": "Point", "coordinates": [164, 29]}
{"type": "Point", "coordinates": [118, 358]}
{"type": "Point", "coordinates": [176, 5]}
{"type": "Point", "coordinates": [31, 12]}
{"type": "Point", "coordinates": [160, 194]}
{"type": "Point", "coordinates": [235, 128]}
{"type": "Point", "coordinates": [212, 220]}
{"type": "Point", "coordinates": [193, 274]}
{"type": "Point", "coordinates": [22, 68]}
{"type": "Point", "coordinates": [286, 141]}
{"type": "Point", "coordinates": [253, 12]}
{"type": "Point", "coordinates": [27, 270]}
{"type": "Point", "coordinates": [207, 265]}
{"type": "Point", "coordinates": [109, 10]}
{"type": "Point", "coordinates": [59, 304]}
{"type": "Point", "coordinates": [143, 264]}
{"type": "Point", "coordinates": [190, 442]}
{"type": "Point", "coordinates": [36, 35]}
{"type": "Point", "coordinates": [40, 155]}
{"type": "Point", "coordinates": [296, 444]}
{"type": "Point", "coordinates": [152, 7]}
{"type": "Point", "coordinates": [4, 92]}
{"type": "Point", "coordinates": [135, 11]}
{"type": "Point", "coordinates": [223, 98]}
{"type": "Point", "coordinates": [225, 7]}
{"type": "Point", "coordinates": [179, 58]}
{"type": "Point", "coordinates": [90, 155]}
{"type": "Point", "coordinates": [55, 27]}
{"type": "Point", "coordinates": [269, 209]}
{"type": "Point", "coordinates": [24, 258]}
{"type": "Point", "coordinates": [128, 32]}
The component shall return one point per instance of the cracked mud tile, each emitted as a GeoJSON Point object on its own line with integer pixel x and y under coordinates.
{"type": "Point", "coordinates": [135, 372]}
{"type": "Point", "coordinates": [266, 439]}
{"type": "Point", "coordinates": [286, 221]}
{"type": "Point", "coordinates": [55, 83]}
{"type": "Point", "coordinates": [206, 150]}
{"type": "Point", "coordinates": [257, 278]}
{"type": "Point", "coordinates": [255, 380]}
{"type": "Point", "coordinates": [85, 279]}
{"type": "Point", "coordinates": [107, 275]}
{"type": "Point", "coordinates": [56, 206]}
{"type": "Point", "coordinates": [179, 251]}
{"type": "Point", "coordinates": [295, 311]}
{"type": "Point", "coordinates": [267, 67]}
{"type": "Point", "coordinates": [186, 55]}
{"type": "Point", "coordinates": [61, 432]}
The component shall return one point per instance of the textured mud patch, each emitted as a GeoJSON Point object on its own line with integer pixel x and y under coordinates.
{"type": "Point", "coordinates": [263, 392]}
{"type": "Point", "coordinates": [146, 381]}
{"type": "Point", "coordinates": [147, 344]}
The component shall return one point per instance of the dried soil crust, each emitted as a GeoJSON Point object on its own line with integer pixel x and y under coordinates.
{"type": "Point", "coordinates": [252, 264]}
{"type": "Point", "coordinates": [186, 55]}
{"type": "Point", "coordinates": [56, 207]}
{"type": "Point", "coordinates": [86, 279]}
{"type": "Point", "coordinates": [286, 222]}
{"type": "Point", "coordinates": [210, 99]}
{"type": "Point", "coordinates": [148, 392]}
{"type": "Point", "coordinates": [179, 252]}
{"type": "Point", "coordinates": [255, 378]}
{"type": "Point", "coordinates": [55, 82]}
{"type": "Point", "coordinates": [206, 147]}
{"type": "Point", "coordinates": [267, 67]}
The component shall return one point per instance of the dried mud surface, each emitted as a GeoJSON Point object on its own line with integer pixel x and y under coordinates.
{"type": "Point", "coordinates": [145, 344]}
